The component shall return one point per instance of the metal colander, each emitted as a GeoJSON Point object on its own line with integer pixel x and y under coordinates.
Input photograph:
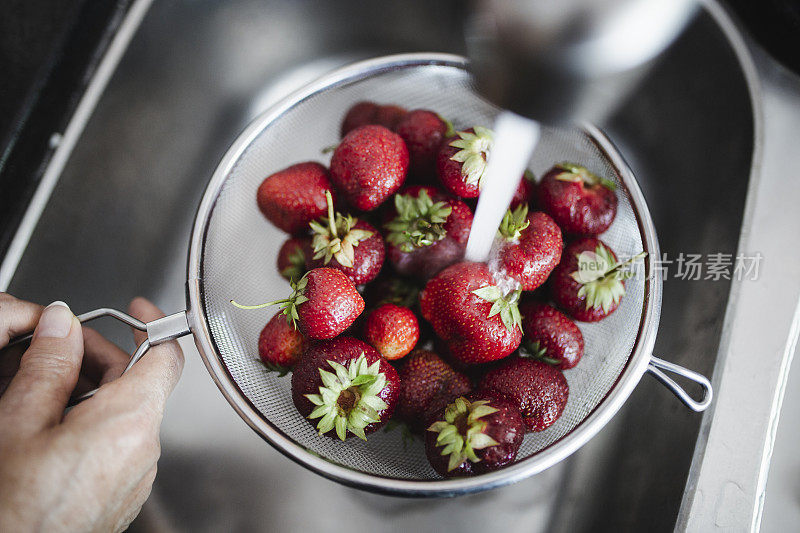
{"type": "Point", "coordinates": [233, 251]}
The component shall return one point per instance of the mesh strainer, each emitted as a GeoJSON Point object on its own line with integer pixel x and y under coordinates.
{"type": "Point", "coordinates": [232, 255]}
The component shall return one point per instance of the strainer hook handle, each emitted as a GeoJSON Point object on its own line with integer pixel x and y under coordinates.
{"type": "Point", "coordinates": [160, 330]}
{"type": "Point", "coordinates": [657, 368]}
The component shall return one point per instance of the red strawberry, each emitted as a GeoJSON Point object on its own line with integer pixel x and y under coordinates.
{"type": "Point", "coordinates": [461, 161]}
{"type": "Point", "coordinates": [345, 388]}
{"type": "Point", "coordinates": [471, 314]}
{"type": "Point", "coordinates": [525, 191]}
{"type": "Point", "coordinates": [389, 288]}
{"type": "Point", "coordinates": [280, 345]}
{"type": "Point", "coordinates": [369, 165]}
{"type": "Point", "coordinates": [531, 247]}
{"type": "Point", "coordinates": [323, 303]}
{"type": "Point", "coordinates": [551, 337]}
{"type": "Point", "coordinates": [428, 231]}
{"type": "Point", "coordinates": [538, 390]}
{"type": "Point", "coordinates": [347, 244]}
{"type": "Point", "coordinates": [292, 257]}
{"type": "Point", "coordinates": [364, 113]}
{"type": "Point", "coordinates": [579, 201]}
{"type": "Point", "coordinates": [589, 283]}
{"type": "Point", "coordinates": [423, 132]}
{"type": "Point", "coordinates": [294, 196]}
{"type": "Point", "coordinates": [427, 385]}
{"type": "Point", "coordinates": [393, 330]}
{"type": "Point", "coordinates": [475, 434]}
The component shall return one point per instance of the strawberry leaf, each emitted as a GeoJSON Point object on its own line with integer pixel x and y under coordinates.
{"type": "Point", "coordinates": [419, 221]}
{"type": "Point", "coordinates": [473, 154]}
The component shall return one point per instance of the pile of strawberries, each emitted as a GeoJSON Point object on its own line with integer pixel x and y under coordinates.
{"type": "Point", "coordinates": [376, 243]}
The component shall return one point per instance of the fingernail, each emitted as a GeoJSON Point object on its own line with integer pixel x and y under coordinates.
{"type": "Point", "coordinates": [55, 322]}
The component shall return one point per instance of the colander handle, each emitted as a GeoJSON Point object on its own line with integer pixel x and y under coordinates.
{"type": "Point", "coordinates": [160, 330]}
{"type": "Point", "coordinates": [657, 367]}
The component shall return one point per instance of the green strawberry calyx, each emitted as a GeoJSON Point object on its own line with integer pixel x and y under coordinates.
{"type": "Point", "coordinates": [473, 154]}
{"type": "Point", "coordinates": [462, 431]}
{"type": "Point", "coordinates": [504, 305]}
{"type": "Point", "coordinates": [348, 398]}
{"type": "Point", "coordinates": [601, 277]}
{"type": "Point", "coordinates": [535, 350]}
{"type": "Point", "coordinates": [334, 236]}
{"type": "Point", "coordinates": [297, 264]}
{"type": "Point", "coordinates": [419, 221]}
{"type": "Point", "coordinates": [577, 174]}
{"type": "Point", "coordinates": [289, 305]}
{"type": "Point", "coordinates": [514, 223]}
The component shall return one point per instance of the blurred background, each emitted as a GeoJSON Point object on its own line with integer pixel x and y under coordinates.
{"type": "Point", "coordinates": [114, 114]}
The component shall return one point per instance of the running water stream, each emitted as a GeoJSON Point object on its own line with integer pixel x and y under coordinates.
{"type": "Point", "coordinates": [515, 138]}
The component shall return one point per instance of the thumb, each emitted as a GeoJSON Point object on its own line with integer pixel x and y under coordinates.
{"type": "Point", "coordinates": [48, 371]}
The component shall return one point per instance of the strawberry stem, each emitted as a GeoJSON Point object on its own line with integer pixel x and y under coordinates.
{"type": "Point", "coordinates": [259, 306]}
{"type": "Point", "coordinates": [331, 214]}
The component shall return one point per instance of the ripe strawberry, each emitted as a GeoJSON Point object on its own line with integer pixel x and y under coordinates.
{"type": "Point", "coordinates": [461, 161]}
{"type": "Point", "coordinates": [280, 345]}
{"type": "Point", "coordinates": [525, 191]}
{"type": "Point", "coordinates": [369, 165]}
{"type": "Point", "coordinates": [531, 247]}
{"type": "Point", "coordinates": [294, 196]}
{"type": "Point", "coordinates": [538, 390]}
{"type": "Point", "coordinates": [549, 336]}
{"type": "Point", "coordinates": [347, 244]}
{"type": "Point", "coordinates": [392, 330]}
{"type": "Point", "coordinates": [428, 231]}
{"type": "Point", "coordinates": [292, 257]}
{"type": "Point", "coordinates": [347, 385]}
{"type": "Point", "coordinates": [423, 132]}
{"type": "Point", "coordinates": [471, 314]}
{"type": "Point", "coordinates": [589, 283]}
{"type": "Point", "coordinates": [323, 303]}
{"type": "Point", "coordinates": [389, 288]}
{"type": "Point", "coordinates": [427, 385]}
{"type": "Point", "coordinates": [475, 434]}
{"type": "Point", "coordinates": [579, 201]}
{"type": "Point", "coordinates": [365, 113]}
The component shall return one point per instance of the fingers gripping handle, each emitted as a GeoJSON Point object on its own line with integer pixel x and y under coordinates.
{"type": "Point", "coordinates": [160, 330]}
{"type": "Point", "coordinates": [658, 367]}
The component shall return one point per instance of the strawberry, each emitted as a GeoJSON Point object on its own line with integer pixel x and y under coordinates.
{"type": "Point", "coordinates": [548, 335]}
{"type": "Point", "coordinates": [427, 385]}
{"type": "Point", "coordinates": [530, 247]}
{"type": "Point", "coordinates": [346, 387]}
{"type": "Point", "coordinates": [369, 165]}
{"type": "Point", "coordinates": [292, 257]}
{"type": "Point", "coordinates": [392, 330]}
{"type": "Point", "coordinates": [525, 191]}
{"type": "Point", "coordinates": [581, 202]}
{"type": "Point", "coordinates": [423, 132]}
{"type": "Point", "coordinates": [461, 161]}
{"type": "Point", "coordinates": [477, 433]}
{"type": "Point", "coordinates": [365, 113]}
{"type": "Point", "coordinates": [389, 288]}
{"type": "Point", "coordinates": [294, 196]}
{"type": "Point", "coordinates": [280, 345]}
{"type": "Point", "coordinates": [347, 244]}
{"type": "Point", "coordinates": [589, 283]}
{"type": "Point", "coordinates": [471, 314]}
{"type": "Point", "coordinates": [428, 231]}
{"type": "Point", "coordinates": [538, 390]}
{"type": "Point", "coordinates": [323, 303]}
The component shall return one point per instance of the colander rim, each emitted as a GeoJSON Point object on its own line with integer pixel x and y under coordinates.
{"type": "Point", "coordinates": [627, 380]}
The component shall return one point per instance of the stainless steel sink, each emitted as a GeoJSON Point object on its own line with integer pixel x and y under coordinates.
{"type": "Point", "coordinates": [118, 224]}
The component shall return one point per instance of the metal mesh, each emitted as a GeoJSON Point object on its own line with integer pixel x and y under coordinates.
{"type": "Point", "coordinates": [240, 251]}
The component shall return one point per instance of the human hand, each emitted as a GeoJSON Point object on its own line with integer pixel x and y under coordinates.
{"type": "Point", "coordinates": [92, 468]}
